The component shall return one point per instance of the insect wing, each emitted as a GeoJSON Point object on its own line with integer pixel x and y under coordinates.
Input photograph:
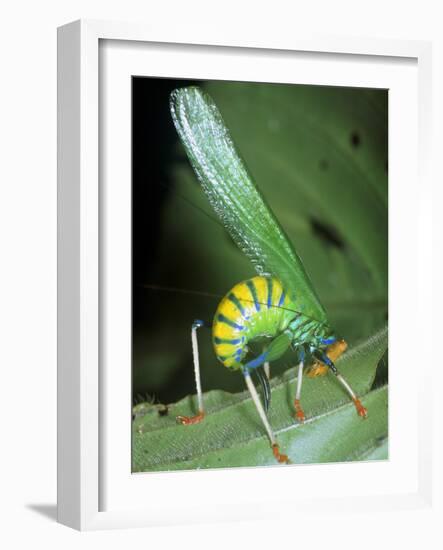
{"type": "Point", "coordinates": [236, 199]}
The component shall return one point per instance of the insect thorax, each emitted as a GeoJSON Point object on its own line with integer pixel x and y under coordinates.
{"type": "Point", "coordinates": [309, 332]}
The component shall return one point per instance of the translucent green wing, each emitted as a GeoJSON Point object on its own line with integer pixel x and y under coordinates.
{"type": "Point", "coordinates": [235, 197]}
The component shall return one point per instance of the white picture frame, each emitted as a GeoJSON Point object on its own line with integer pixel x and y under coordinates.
{"type": "Point", "coordinates": [84, 467]}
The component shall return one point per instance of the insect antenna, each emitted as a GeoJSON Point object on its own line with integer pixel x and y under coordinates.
{"type": "Point", "coordinates": [191, 203]}
{"type": "Point", "coordinates": [182, 290]}
{"type": "Point", "coordinates": [219, 296]}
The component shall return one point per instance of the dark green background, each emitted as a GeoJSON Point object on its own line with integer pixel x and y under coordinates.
{"type": "Point", "coordinates": [319, 155]}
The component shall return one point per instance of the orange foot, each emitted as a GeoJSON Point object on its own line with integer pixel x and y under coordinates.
{"type": "Point", "coordinates": [361, 411]}
{"type": "Point", "coordinates": [187, 420]}
{"type": "Point", "coordinates": [299, 414]}
{"type": "Point", "coordinates": [283, 459]}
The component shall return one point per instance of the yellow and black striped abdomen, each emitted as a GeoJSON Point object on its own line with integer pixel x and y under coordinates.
{"type": "Point", "coordinates": [253, 308]}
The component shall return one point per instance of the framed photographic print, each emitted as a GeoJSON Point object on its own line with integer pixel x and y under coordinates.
{"type": "Point", "coordinates": [230, 226]}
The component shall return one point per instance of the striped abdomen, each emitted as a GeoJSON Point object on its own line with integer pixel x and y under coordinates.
{"type": "Point", "coordinates": [253, 308]}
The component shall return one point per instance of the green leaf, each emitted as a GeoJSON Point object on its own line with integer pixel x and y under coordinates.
{"type": "Point", "coordinates": [232, 434]}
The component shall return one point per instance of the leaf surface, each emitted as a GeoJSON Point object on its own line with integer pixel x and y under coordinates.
{"type": "Point", "coordinates": [232, 435]}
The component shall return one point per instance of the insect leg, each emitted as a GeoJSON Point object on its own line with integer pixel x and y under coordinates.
{"type": "Point", "coordinates": [361, 410]}
{"type": "Point", "coordinates": [255, 398]}
{"type": "Point", "coordinates": [264, 381]}
{"type": "Point", "coordinates": [186, 420]}
{"type": "Point", "coordinates": [299, 414]}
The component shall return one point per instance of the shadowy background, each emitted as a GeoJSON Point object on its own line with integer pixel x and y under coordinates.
{"type": "Point", "coordinates": [319, 155]}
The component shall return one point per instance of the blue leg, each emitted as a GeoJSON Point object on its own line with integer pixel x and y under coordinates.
{"type": "Point", "coordinates": [325, 359]}
{"type": "Point", "coordinates": [257, 361]}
